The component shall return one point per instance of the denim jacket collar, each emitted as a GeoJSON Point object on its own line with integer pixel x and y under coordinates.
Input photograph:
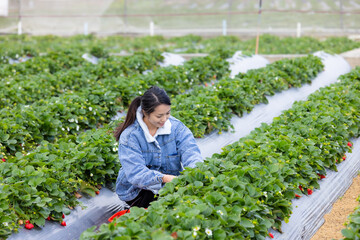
{"type": "Point", "coordinates": [166, 129]}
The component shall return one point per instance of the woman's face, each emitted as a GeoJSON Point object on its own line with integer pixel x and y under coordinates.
{"type": "Point", "coordinates": [158, 117]}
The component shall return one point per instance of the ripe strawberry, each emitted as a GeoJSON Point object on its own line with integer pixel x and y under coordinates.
{"type": "Point", "coordinates": [97, 192]}
{"type": "Point", "coordinates": [48, 218]}
{"type": "Point", "coordinates": [270, 234]}
{"type": "Point", "coordinates": [321, 176]}
{"type": "Point", "coordinates": [3, 159]}
{"type": "Point", "coordinates": [27, 221]}
{"type": "Point", "coordinates": [298, 196]}
{"type": "Point", "coordinates": [344, 157]}
{"type": "Point", "coordinates": [63, 223]}
{"type": "Point", "coordinates": [300, 187]}
{"type": "Point", "coordinates": [63, 216]}
{"type": "Point", "coordinates": [309, 191]}
{"type": "Point", "coordinates": [349, 144]}
{"type": "Point", "coordinates": [29, 226]}
{"type": "Point", "coordinates": [174, 235]}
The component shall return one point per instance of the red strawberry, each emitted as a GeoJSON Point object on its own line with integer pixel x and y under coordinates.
{"type": "Point", "coordinates": [206, 84]}
{"type": "Point", "coordinates": [3, 159]}
{"type": "Point", "coordinates": [174, 235]}
{"type": "Point", "coordinates": [349, 144]}
{"type": "Point", "coordinates": [63, 216]}
{"type": "Point", "coordinates": [344, 157]}
{"type": "Point", "coordinates": [27, 221]}
{"type": "Point", "coordinates": [63, 223]}
{"type": "Point", "coordinates": [97, 192]}
{"type": "Point", "coordinates": [309, 191]}
{"type": "Point", "coordinates": [270, 234]}
{"type": "Point", "coordinates": [298, 196]}
{"type": "Point", "coordinates": [29, 226]}
{"type": "Point", "coordinates": [48, 218]}
{"type": "Point", "coordinates": [321, 176]}
{"type": "Point", "coordinates": [300, 187]}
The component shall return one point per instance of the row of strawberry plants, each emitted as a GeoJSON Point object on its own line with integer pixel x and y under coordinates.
{"type": "Point", "coordinates": [208, 108]}
{"type": "Point", "coordinates": [248, 188]}
{"type": "Point", "coordinates": [269, 44]}
{"type": "Point", "coordinates": [50, 62]}
{"type": "Point", "coordinates": [352, 230]}
{"type": "Point", "coordinates": [41, 184]}
{"type": "Point", "coordinates": [24, 88]}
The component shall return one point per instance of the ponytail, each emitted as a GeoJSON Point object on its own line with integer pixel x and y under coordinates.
{"type": "Point", "coordinates": [130, 117]}
{"type": "Point", "coordinates": [152, 98]}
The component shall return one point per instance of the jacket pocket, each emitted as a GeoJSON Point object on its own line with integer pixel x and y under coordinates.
{"type": "Point", "coordinates": [173, 164]}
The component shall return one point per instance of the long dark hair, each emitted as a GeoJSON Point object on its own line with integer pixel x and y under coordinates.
{"type": "Point", "coordinates": [152, 98]}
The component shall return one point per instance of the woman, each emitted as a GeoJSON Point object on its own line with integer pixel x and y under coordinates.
{"type": "Point", "coordinates": [153, 148]}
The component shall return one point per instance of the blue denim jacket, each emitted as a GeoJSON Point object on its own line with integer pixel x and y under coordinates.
{"type": "Point", "coordinates": [145, 161]}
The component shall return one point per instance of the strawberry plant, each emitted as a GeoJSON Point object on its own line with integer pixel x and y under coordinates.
{"type": "Point", "coordinates": [352, 230]}
{"type": "Point", "coordinates": [41, 184]}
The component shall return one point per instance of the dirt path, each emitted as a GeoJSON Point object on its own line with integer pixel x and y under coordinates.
{"type": "Point", "coordinates": [335, 219]}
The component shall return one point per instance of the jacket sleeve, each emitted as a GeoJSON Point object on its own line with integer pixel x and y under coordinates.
{"type": "Point", "coordinates": [136, 171]}
{"type": "Point", "coordinates": [186, 144]}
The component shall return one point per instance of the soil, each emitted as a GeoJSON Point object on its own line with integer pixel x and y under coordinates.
{"type": "Point", "coordinates": [342, 208]}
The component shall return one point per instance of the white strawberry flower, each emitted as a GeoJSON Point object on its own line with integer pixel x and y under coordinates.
{"type": "Point", "coordinates": [194, 234]}
{"type": "Point", "coordinates": [197, 228]}
{"type": "Point", "coordinates": [208, 232]}
{"type": "Point", "coordinates": [94, 113]}
{"type": "Point", "coordinates": [91, 174]}
{"type": "Point", "coordinates": [90, 109]}
{"type": "Point", "coordinates": [220, 212]}
{"type": "Point", "coordinates": [77, 127]}
{"type": "Point", "coordinates": [68, 129]}
{"type": "Point", "coordinates": [71, 120]}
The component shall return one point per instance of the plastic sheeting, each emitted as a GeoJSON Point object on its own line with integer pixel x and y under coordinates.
{"type": "Point", "coordinates": [19, 60]}
{"type": "Point", "coordinates": [90, 58]}
{"type": "Point", "coordinates": [171, 59]}
{"type": "Point", "coordinates": [104, 205]}
{"type": "Point", "coordinates": [240, 63]}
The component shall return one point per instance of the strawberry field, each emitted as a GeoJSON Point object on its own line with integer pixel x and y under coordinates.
{"type": "Point", "coordinates": [56, 143]}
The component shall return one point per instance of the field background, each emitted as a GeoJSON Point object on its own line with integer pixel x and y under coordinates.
{"type": "Point", "coordinates": [180, 17]}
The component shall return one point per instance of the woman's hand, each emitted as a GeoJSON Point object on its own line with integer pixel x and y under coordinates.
{"type": "Point", "coordinates": [168, 178]}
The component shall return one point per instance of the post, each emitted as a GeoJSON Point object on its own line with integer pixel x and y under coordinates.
{"type": "Point", "coordinates": [19, 21]}
{"type": "Point", "coordinates": [341, 16]}
{"type": "Point", "coordinates": [258, 30]}
{"type": "Point", "coordinates": [19, 27]}
{"type": "Point", "coordinates": [151, 28]}
{"type": "Point", "coordinates": [298, 30]}
{"type": "Point", "coordinates": [224, 27]}
{"type": "Point", "coordinates": [125, 13]}
{"type": "Point", "coordinates": [86, 28]}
